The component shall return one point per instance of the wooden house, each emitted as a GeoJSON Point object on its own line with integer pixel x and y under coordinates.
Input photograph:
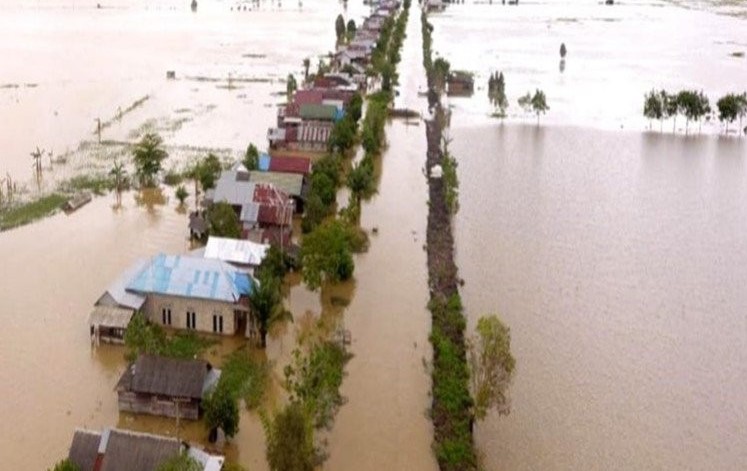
{"type": "Point", "coordinates": [163, 386]}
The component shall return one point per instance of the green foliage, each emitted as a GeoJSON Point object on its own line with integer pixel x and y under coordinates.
{"type": "Point", "coordinates": [326, 253]}
{"type": "Point", "coordinates": [223, 221]}
{"type": "Point", "coordinates": [246, 378]}
{"type": "Point", "coordinates": [497, 92]}
{"type": "Point", "coordinates": [206, 171]}
{"type": "Point", "coordinates": [730, 107]}
{"type": "Point", "coordinates": [289, 438]}
{"type": "Point", "coordinates": [441, 70]}
{"type": "Point", "coordinates": [314, 380]}
{"type": "Point", "coordinates": [324, 180]}
{"type": "Point", "coordinates": [451, 180]}
{"type": "Point", "coordinates": [340, 27]}
{"type": "Point", "coordinates": [98, 184]}
{"type": "Point", "coordinates": [181, 462]}
{"type": "Point", "coordinates": [306, 65]}
{"type": "Point", "coordinates": [267, 303]}
{"type": "Point", "coordinates": [342, 137]}
{"type": "Point", "coordinates": [492, 366]}
{"type": "Point", "coordinates": [143, 337]}
{"type": "Point", "coordinates": [148, 156]}
{"type": "Point", "coordinates": [275, 263]}
{"type": "Point", "coordinates": [25, 213]}
{"type": "Point", "coordinates": [351, 29]}
{"type": "Point", "coordinates": [361, 179]}
{"type": "Point", "coordinates": [452, 403]}
{"type": "Point", "coordinates": [173, 177]}
{"type": "Point", "coordinates": [290, 87]}
{"type": "Point", "coordinates": [539, 103]}
{"type": "Point", "coordinates": [355, 107]}
{"type": "Point", "coordinates": [181, 194]}
{"type": "Point", "coordinates": [118, 174]}
{"type": "Point", "coordinates": [653, 106]}
{"type": "Point", "coordinates": [65, 465]}
{"type": "Point", "coordinates": [221, 411]}
{"type": "Point", "coordinates": [251, 157]}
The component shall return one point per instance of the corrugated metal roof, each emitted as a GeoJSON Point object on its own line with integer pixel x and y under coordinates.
{"type": "Point", "coordinates": [230, 189]}
{"type": "Point", "coordinates": [244, 252]}
{"type": "Point", "coordinates": [249, 212]}
{"type": "Point", "coordinates": [118, 293]}
{"type": "Point", "coordinates": [291, 183]}
{"type": "Point", "coordinates": [110, 316]}
{"type": "Point", "coordinates": [321, 112]}
{"type": "Point", "coordinates": [191, 277]}
{"type": "Point", "coordinates": [308, 97]}
{"type": "Point", "coordinates": [163, 376]}
{"type": "Point", "coordinates": [300, 165]}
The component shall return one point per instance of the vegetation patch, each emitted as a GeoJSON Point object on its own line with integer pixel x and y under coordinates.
{"type": "Point", "coordinates": [143, 337]}
{"type": "Point", "coordinates": [25, 213]}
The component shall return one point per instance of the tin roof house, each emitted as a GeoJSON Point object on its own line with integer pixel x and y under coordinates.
{"type": "Point", "coordinates": [167, 387]}
{"type": "Point", "coordinates": [124, 450]}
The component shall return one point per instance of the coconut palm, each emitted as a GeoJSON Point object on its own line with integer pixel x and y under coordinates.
{"type": "Point", "coordinates": [119, 174]}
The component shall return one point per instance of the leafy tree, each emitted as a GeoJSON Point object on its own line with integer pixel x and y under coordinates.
{"type": "Point", "coordinates": [441, 70]}
{"type": "Point", "coordinates": [207, 171]}
{"type": "Point", "coordinates": [351, 29]}
{"type": "Point", "coordinates": [275, 263]}
{"type": "Point", "coordinates": [361, 179]}
{"type": "Point", "coordinates": [728, 109]}
{"type": "Point", "coordinates": [289, 436]}
{"type": "Point", "coordinates": [539, 103]}
{"type": "Point", "coordinates": [497, 92]}
{"type": "Point", "coordinates": [492, 366]}
{"type": "Point", "coordinates": [741, 109]}
{"type": "Point", "coordinates": [525, 102]}
{"type": "Point", "coordinates": [290, 87]}
{"type": "Point", "coordinates": [221, 411]}
{"type": "Point", "coordinates": [223, 221]}
{"type": "Point", "coordinates": [326, 254]}
{"type": "Point", "coordinates": [342, 137]}
{"type": "Point", "coordinates": [181, 194]}
{"type": "Point", "coordinates": [563, 51]}
{"type": "Point", "coordinates": [323, 186]}
{"type": "Point", "coordinates": [690, 104]}
{"type": "Point", "coordinates": [65, 465]}
{"type": "Point", "coordinates": [148, 155]}
{"type": "Point", "coordinates": [355, 107]}
{"type": "Point", "coordinates": [340, 27]}
{"type": "Point", "coordinates": [180, 462]}
{"type": "Point", "coordinates": [251, 157]}
{"type": "Point", "coordinates": [306, 65]}
{"type": "Point", "coordinates": [653, 107]}
{"type": "Point", "coordinates": [314, 380]}
{"type": "Point", "coordinates": [704, 106]}
{"type": "Point", "coordinates": [267, 304]}
{"type": "Point", "coordinates": [671, 108]}
{"type": "Point", "coordinates": [119, 174]}
{"type": "Point", "coordinates": [314, 212]}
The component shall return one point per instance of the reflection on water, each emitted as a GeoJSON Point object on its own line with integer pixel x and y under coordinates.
{"type": "Point", "coordinates": [618, 260]}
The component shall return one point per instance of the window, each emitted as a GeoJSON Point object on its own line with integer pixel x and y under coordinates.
{"type": "Point", "coordinates": [166, 316]}
{"type": "Point", "coordinates": [217, 323]}
{"type": "Point", "coordinates": [191, 320]}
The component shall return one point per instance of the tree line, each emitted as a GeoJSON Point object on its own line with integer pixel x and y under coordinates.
{"type": "Point", "coordinates": [694, 106]}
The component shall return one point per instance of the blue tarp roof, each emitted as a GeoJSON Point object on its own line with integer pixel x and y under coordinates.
{"type": "Point", "coordinates": [264, 162]}
{"type": "Point", "coordinates": [191, 277]}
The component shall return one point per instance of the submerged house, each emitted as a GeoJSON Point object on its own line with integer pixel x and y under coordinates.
{"type": "Point", "coordinates": [124, 450]}
{"type": "Point", "coordinates": [461, 83]}
{"type": "Point", "coordinates": [193, 293]}
{"type": "Point", "coordinates": [113, 310]}
{"type": "Point", "coordinates": [164, 386]}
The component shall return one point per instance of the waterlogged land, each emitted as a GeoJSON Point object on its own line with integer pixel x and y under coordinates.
{"type": "Point", "coordinates": [615, 256]}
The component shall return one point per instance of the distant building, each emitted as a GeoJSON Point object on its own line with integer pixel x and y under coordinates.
{"type": "Point", "coordinates": [124, 450]}
{"type": "Point", "coordinates": [166, 386]}
{"type": "Point", "coordinates": [460, 83]}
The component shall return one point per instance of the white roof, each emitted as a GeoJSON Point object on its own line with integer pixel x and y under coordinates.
{"type": "Point", "coordinates": [244, 252]}
{"type": "Point", "coordinates": [117, 290]}
{"type": "Point", "coordinates": [209, 462]}
{"type": "Point", "coordinates": [110, 316]}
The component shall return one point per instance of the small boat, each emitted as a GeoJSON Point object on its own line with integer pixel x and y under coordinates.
{"type": "Point", "coordinates": [77, 201]}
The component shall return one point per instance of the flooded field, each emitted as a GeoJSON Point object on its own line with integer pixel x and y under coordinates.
{"type": "Point", "coordinates": [616, 256]}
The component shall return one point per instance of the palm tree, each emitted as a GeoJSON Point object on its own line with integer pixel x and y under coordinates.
{"type": "Point", "coordinates": [119, 173]}
{"type": "Point", "coordinates": [306, 65]}
{"type": "Point", "coordinates": [148, 155]}
{"type": "Point", "coordinates": [267, 306]}
{"type": "Point", "coordinates": [37, 165]}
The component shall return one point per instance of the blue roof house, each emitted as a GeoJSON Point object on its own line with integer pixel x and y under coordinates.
{"type": "Point", "coordinates": [191, 293]}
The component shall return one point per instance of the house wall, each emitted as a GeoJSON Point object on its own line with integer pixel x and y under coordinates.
{"type": "Point", "coordinates": [204, 310]}
{"type": "Point", "coordinates": [154, 405]}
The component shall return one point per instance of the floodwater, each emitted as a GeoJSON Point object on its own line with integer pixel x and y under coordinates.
{"type": "Point", "coordinates": [617, 257]}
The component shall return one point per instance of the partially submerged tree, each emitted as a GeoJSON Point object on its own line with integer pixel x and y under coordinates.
{"type": "Point", "coordinates": [290, 87]}
{"type": "Point", "coordinates": [340, 28]}
{"type": "Point", "coordinates": [491, 365]}
{"type": "Point", "coordinates": [497, 93]}
{"type": "Point", "coordinates": [563, 51]}
{"type": "Point", "coordinates": [351, 29]}
{"type": "Point", "coordinates": [148, 156]}
{"type": "Point", "coordinates": [181, 194]}
{"type": "Point", "coordinates": [441, 70]}
{"type": "Point", "coordinates": [289, 438]}
{"type": "Point", "coordinates": [251, 157]}
{"type": "Point", "coordinates": [653, 107]}
{"type": "Point", "coordinates": [65, 465]}
{"type": "Point", "coordinates": [223, 221]}
{"type": "Point", "coordinates": [326, 254]}
{"type": "Point", "coordinates": [671, 108]}
{"type": "Point", "coordinates": [539, 104]}
{"type": "Point", "coordinates": [221, 412]}
{"type": "Point", "coordinates": [728, 109]}
{"type": "Point", "coordinates": [119, 175]}
{"type": "Point", "coordinates": [267, 303]}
